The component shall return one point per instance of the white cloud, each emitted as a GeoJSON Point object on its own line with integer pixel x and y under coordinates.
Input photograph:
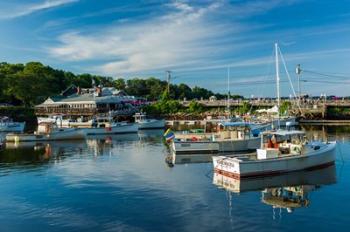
{"type": "Point", "coordinates": [187, 35]}
{"type": "Point", "coordinates": [180, 36]}
{"type": "Point", "coordinates": [27, 9]}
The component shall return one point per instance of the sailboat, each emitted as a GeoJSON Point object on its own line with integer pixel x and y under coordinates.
{"type": "Point", "coordinates": [281, 151]}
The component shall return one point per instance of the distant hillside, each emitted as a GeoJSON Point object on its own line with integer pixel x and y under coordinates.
{"type": "Point", "coordinates": [31, 83]}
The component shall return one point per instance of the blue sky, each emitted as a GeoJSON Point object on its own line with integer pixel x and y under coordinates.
{"type": "Point", "coordinates": [197, 40]}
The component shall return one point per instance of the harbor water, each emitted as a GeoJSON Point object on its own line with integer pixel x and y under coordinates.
{"type": "Point", "coordinates": [123, 183]}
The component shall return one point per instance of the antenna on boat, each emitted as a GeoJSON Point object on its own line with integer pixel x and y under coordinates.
{"type": "Point", "coordinates": [277, 83]}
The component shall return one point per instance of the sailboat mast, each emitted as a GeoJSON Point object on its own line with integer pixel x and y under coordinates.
{"type": "Point", "coordinates": [228, 91]}
{"type": "Point", "coordinates": [277, 82]}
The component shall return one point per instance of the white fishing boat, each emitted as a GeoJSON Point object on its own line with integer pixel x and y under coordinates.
{"type": "Point", "coordinates": [56, 119]}
{"type": "Point", "coordinates": [8, 125]}
{"type": "Point", "coordinates": [105, 125]}
{"type": "Point", "coordinates": [230, 137]}
{"type": "Point", "coordinates": [145, 123]}
{"type": "Point", "coordinates": [47, 132]}
{"type": "Point", "coordinates": [61, 122]}
{"type": "Point", "coordinates": [284, 151]}
{"type": "Point", "coordinates": [281, 151]}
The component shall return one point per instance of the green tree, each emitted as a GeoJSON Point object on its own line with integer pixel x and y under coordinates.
{"type": "Point", "coordinates": [195, 107]}
{"type": "Point", "coordinates": [245, 108]}
{"type": "Point", "coordinates": [120, 84]}
{"type": "Point", "coordinates": [285, 107]}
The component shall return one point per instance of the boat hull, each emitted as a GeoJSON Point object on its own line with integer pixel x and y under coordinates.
{"type": "Point", "coordinates": [215, 146]}
{"type": "Point", "coordinates": [120, 129]}
{"type": "Point", "coordinates": [67, 134]}
{"type": "Point", "coordinates": [237, 168]}
{"type": "Point", "coordinates": [201, 147]}
{"type": "Point", "coordinates": [12, 127]}
{"type": "Point", "coordinates": [154, 124]}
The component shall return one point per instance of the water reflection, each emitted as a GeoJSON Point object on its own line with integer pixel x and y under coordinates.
{"type": "Point", "coordinates": [327, 132]}
{"type": "Point", "coordinates": [288, 198]}
{"type": "Point", "coordinates": [173, 158]}
{"type": "Point", "coordinates": [287, 191]}
{"type": "Point", "coordinates": [121, 183]}
{"type": "Point", "coordinates": [39, 152]}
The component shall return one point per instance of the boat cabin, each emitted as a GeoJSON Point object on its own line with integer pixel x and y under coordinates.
{"type": "Point", "coordinates": [234, 130]}
{"type": "Point", "coordinates": [102, 122]}
{"type": "Point", "coordinates": [281, 142]}
{"type": "Point", "coordinates": [139, 117]}
{"type": "Point", "coordinates": [46, 127]}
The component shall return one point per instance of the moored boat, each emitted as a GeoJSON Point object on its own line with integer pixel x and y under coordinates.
{"type": "Point", "coordinates": [107, 126]}
{"type": "Point", "coordinates": [145, 123]}
{"type": "Point", "coordinates": [230, 137]}
{"type": "Point", "coordinates": [8, 125]}
{"type": "Point", "coordinates": [47, 132]}
{"type": "Point", "coordinates": [62, 122]}
{"type": "Point", "coordinates": [281, 152]}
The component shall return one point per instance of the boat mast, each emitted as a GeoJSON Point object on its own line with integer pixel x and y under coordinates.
{"type": "Point", "coordinates": [228, 92]}
{"type": "Point", "coordinates": [277, 83]}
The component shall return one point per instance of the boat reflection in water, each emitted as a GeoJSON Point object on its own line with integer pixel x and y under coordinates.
{"type": "Point", "coordinates": [174, 158]}
{"type": "Point", "coordinates": [193, 158]}
{"type": "Point", "coordinates": [287, 198]}
{"type": "Point", "coordinates": [287, 191]}
{"type": "Point", "coordinates": [103, 144]}
{"type": "Point", "coordinates": [41, 152]}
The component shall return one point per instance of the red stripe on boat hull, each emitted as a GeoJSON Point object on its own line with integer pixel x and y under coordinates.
{"type": "Point", "coordinates": [269, 173]}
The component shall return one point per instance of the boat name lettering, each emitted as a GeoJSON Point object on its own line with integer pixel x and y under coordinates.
{"type": "Point", "coordinates": [223, 162]}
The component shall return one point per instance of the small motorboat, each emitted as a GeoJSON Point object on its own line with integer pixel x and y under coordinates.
{"type": "Point", "coordinates": [47, 131]}
{"type": "Point", "coordinates": [230, 137]}
{"type": "Point", "coordinates": [8, 125]}
{"type": "Point", "coordinates": [62, 122]}
{"type": "Point", "coordinates": [105, 125]}
{"type": "Point", "coordinates": [145, 123]}
{"type": "Point", "coordinates": [281, 151]}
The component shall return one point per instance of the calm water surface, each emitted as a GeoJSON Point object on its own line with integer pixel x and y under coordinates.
{"type": "Point", "coordinates": [122, 183]}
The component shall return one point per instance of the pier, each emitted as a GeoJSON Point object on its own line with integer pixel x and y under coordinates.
{"type": "Point", "coordinates": [307, 108]}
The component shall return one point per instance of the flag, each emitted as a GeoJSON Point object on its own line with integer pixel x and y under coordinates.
{"type": "Point", "coordinates": [169, 135]}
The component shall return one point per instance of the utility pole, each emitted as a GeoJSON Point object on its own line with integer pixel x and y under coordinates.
{"type": "Point", "coordinates": [168, 77]}
{"type": "Point", "coordinates": [298, 72]}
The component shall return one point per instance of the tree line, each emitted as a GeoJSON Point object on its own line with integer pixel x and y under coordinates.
{"type": "Point", "coordinates": [31, 83]}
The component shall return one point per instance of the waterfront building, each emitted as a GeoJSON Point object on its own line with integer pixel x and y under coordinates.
{"type": "Point", "coordinates": [78, 102]}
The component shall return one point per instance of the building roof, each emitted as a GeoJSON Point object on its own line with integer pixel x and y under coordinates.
{"type": "Point", "coordinates": [95, 99]}
{"type": "Point", "coordinates": [108, 96]}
